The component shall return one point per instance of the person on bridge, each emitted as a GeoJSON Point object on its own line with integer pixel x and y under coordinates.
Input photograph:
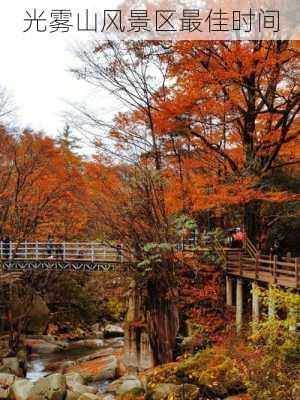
{"type": "Point", "coordinates": [59, 250]}
{"type": "Point", "coordinates": [238, 238]}
{"type": "Point", "coordinates": [277, 249]}
{"type": "Point", "coordinates": [49, 245]}
{"type": "Point", "coordinates": [6, 247]}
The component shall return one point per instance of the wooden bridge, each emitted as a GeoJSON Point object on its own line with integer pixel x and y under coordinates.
{"type": "Point", "coordinates": [245, 263]}
{"type": "Point", "coordinates": [74, 256]}
{"type": "Point", "coordinates": [248, 263]}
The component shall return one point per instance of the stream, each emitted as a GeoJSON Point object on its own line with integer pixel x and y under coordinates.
{"type": "Point", "coordinates": [39, 365]}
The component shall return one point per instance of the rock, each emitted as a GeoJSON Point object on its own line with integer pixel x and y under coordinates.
{"type": "Point", "coordinates": [121, 369]}
{"type": "Point", "coordinates": [89, 396]}
{"type": "Point", "coordinates": [12, 365]}
{"type": "Point", "coordinates": [97, 354]}
{"type": "Point", "coordinates": [124, 384]}
{"type": "Point", "coordinates": [38, 316]}
{"type": "Point", "coordinates": [98, 369]}
{"type": "Point", "coordinates": [74, 377]}
{"type": "Point", "coordinates": [87, 343]}
{"type": "Point", "coordinates": [51, 388]}
{"type": "Point", "coordinates": [162, 391]}
{"type": "Point", "coordinates": [98, 335]}
{"type": "Point", "coordinates": [71, 395]}
{"type": "Point", "coordinates": [138, 353]}
{"type": "Point", "coordinates": [42, 347]}
{"type": "Point", "coordinates": [95, 327]}
{"type": "Point", "coordinates": [79, 389]}
{"type": "Point", "coordinates": [4, 393]}
{"type": "Point", "coordinates": [188, 391]}
{"type": "Point", "coordinates": [106, 397]}
{"type": "Point", "coordinates": [116, 343]}
{"type": "Point", "coordinates": [113, 331]}
{"type": "Point", "coordinates": [6, 380]}
{"type": "Point", "coordinates": [20, 389]}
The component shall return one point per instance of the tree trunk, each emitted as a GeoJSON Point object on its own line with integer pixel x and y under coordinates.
{"type": "Point", "coordinates": [163, 323]}
{"type": "Point", "coordinates": [252, 221]}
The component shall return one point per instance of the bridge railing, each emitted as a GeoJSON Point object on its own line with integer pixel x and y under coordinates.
{"type": "Point", "coordinates": [271, 269]}
{"type": "Point", "coordinates": [69, 251]}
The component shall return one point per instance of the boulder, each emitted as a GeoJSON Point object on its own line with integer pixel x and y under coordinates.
{"type": "Point", "coordinates": [12, 365]}
{"type": "Point", "coordinates": [20, 389]}
{"type": "Point", "coordinates": [96, 327]}
{"type": "Point", "coordinates": [188, 391]}
{"type": "Point", "coordinates": [87, 343]}
{"type": "Point", "coordinates": [72, 395]}
{"type": "Point", "coordinates": [74, 377]}
{"type": "Point", "coordinates": [116, 343]}
{"type": "Point", "coordinates": [98, 335]}
{"type": "Point", "coordinates": [124, 384]}
{"type": "Point", "coordinates": [107, 397]}
{"type": "Point", "coordinates": [178, 392]}
{"type": "Point", "coordinates": [89, 396]}
{"type": "Point", "coordinates": [51, 388]}
{"type": "Point", "coordinates": [6, 380]}
{"type": "Point", "coordinates": [4, 393]}
{"type": "Point", "coordinates": [38, 316]}
{"type": "Point", "coordinates": [162, 391]}
{"type": "Point", "coordinates": [79, 388]}
{"type": "Point", "coordinates": [42, 346]}
{"type": "Point", "coordinates": [113, 331]}
{"type": "Point", "coordinates": [97, 369]}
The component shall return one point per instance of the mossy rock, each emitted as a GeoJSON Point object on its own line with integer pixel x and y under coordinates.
{"type": "Point", "coordinates": [134, 394]}
{"type": "Point", "coordinates": [214, 372]}
{"type": "Point", "coordinates": [167, 391]}
{"type": "Point", "coordinates": [38, 316]}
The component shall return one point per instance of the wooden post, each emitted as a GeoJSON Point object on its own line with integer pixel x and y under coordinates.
{"type": "Point", "coordinates": [297, 272]}
{"type": "Point", "coordinates": [257, 258]}
{"type": "Point", "coordinates": [26, 249]}
{"type": "Point", "coordinates": [64, 250]}
{"type": "Point", "coordinates": [93, 252]}
{"type": "Point", "coordinates": [36, 250]}
{"type": "Point", "coordinates": [229, 291]}
{"type": "Point", "coordinates": [255, 303]}
{"type": "Point", "coordinates": [271, 308]}
{"type": "Point", "coordinates": [288, 256]}
{"type": "Point", "coordinates": [10, 250]}
{"type": "Point", "coordinates": [77, 250]}
{"type": "Point", "coordinates": [275, 269]}
{"type": "Point", "coordinates": [239, 305]}
{"type": "Point", "coordinates": [240, 263]}
{"type": "Point", "coordinates": [1, 249]}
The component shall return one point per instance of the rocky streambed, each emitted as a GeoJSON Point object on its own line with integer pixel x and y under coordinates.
{"type": "Point", "coordinates": [92, 369]}
{"type": "Point", "coordinates": [61, 369]}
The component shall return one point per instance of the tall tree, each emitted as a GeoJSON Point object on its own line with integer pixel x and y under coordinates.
{"type": "Point", "coordinates": [235, 107]}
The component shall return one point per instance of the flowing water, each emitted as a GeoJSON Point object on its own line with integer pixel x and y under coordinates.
{"type": "Point", "coordinates": [38, 364]}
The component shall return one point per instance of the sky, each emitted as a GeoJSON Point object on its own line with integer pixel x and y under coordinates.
{"type": "Point", "coordinates": [34, 66]}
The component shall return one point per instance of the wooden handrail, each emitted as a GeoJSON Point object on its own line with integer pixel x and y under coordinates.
{"type": "Point", "coordinates": [250, 248]}
{"type": "Point", "coordinates": [270, 270]}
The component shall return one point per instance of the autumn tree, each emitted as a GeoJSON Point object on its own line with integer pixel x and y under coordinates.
{"type": "Point", "coordinates": [233, 116]}
{"type": "Point", "coordinates": [129, 199]}
{"type": "Point", "coordinates": [40, 184]}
